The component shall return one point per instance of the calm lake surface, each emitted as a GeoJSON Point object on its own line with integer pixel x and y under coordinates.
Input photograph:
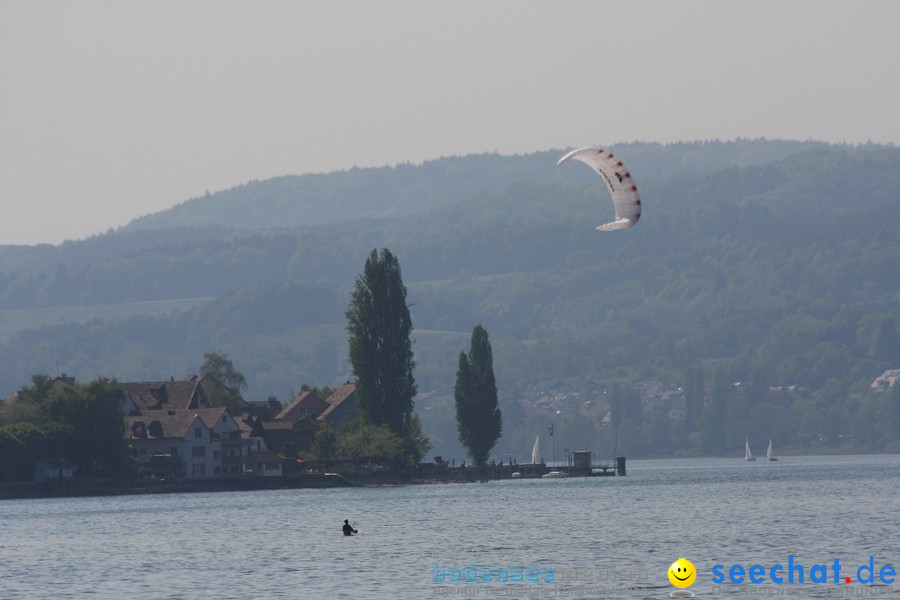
{"type": "Point", "coordinates": [605, 537]}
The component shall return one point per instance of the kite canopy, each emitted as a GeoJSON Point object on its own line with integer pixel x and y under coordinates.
{"type": "Point", "coordinates": [618, 181]}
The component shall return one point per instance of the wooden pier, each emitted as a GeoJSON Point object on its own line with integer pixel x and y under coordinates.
{"type": "Point", "coordinates": [576, 468]}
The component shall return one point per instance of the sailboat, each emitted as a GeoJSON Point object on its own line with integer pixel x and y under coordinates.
{"type": "Point", "coordinates": [769, 453]}
{"type": "Point", "coordinates": [536, 451]}
{"type": "Point", "coordinates": [747, 454]}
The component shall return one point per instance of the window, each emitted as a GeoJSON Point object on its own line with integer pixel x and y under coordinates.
{"type": "Point", "coordinates": [198, 451]}
{"type": "Point", "coordinates": [198, 433]}
{"type": "Point", "coordinates": [217, 454]}
{"type": "Point", "coordinates": [199, 469]}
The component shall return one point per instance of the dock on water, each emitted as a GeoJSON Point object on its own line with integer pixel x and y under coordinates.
{"type": "Point", "coordinates": [579, 465]}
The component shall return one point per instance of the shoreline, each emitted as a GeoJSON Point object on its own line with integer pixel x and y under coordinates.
{"type": "Point", "coordinates": [25, 490]}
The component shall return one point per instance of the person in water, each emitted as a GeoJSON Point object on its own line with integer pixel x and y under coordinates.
{"type": "Point", "coordinates": [348, 529]}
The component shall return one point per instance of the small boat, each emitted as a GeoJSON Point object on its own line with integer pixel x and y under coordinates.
{"type": "Point", "coordinates": [555, 475]}
{"type": "Point", "coordinates": [517, 475]}
{"type": "Point", "coordinates": [769, 453]}
{"type": "Point", "coordinates": [747, 454]}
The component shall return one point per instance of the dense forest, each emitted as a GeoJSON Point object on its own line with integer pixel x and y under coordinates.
{"type": "Point", "coordinates": [771, 263]}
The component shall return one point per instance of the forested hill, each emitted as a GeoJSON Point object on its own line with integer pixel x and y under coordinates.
{"type": "Point", "coordinates": [758, 256]}
{"type": "Point", "coordinates": [309, 201]}
{"type": "Point", "coordinates": [303, 200]}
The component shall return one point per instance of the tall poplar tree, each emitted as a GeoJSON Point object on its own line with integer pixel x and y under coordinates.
{"type": "Point", "coordinates": [379, 327]}
{"type": "Point", "coordinates": [478, 417]}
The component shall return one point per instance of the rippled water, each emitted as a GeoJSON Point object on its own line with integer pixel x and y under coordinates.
{"type": "Point", "coordinates": [287, 544]}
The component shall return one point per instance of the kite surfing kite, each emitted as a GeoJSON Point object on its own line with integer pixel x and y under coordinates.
{"type": "Point", "coordinates": [618, 180]}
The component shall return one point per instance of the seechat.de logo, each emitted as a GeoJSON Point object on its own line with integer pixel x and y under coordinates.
{"type": "Point", "coordinates": [795, 572]}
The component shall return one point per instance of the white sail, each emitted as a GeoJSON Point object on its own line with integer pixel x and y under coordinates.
{"type": "Point", "coordinates": [536, 451]}
{"type": "Point", "coordinates": [747, 454]}
{"type": "Point", "coordinates": [769, 454]}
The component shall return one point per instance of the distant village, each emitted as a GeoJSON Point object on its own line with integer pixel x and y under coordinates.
{"type": "Point", "coordinates": [173, 431]}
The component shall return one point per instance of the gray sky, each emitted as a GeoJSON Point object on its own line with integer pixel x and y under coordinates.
{"type": "Point", "coordinates": [111, 110]}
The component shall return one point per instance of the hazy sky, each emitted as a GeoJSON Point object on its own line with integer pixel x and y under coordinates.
{"type": "Point", "coordinates": [111, 110]}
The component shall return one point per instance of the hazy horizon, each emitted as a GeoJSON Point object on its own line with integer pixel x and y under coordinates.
{"type": "Point", "coordinates": [113, 111]}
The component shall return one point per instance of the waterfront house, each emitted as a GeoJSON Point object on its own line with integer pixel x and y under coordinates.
{"type": "Point", "coordinates": [171, 444]}
{"type": "Point", "coordinates": [280, 435]}
{"type": "Point", "coordinates": [229, 448]}
{"type": "Point", "coordinates": [264, 464]}
{"type": "Point", "coordinates": [306, 404]}
{"type": "Point", "coordinates": [163, 395]}
{"type": "Point", "coordinates": [342, 407]}
{"type": "Point", "coordinates": [53, 469]}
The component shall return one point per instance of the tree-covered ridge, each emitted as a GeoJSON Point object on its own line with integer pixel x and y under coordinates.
{"type": "Point", "coordinates": [772, 257]}
{"type": "Point", "coordinates": [405, 189]}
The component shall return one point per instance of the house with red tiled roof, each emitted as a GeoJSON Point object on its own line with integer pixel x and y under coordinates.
{"type": "Point", "coordinates": [230, 449]}
{"type": "Point", "coordinates": [306, 404]}
{"type": "Point", "coordinates": [300, 434]}
{"type": "Point", "coordinates": [171, 444]}
{"type": "Point", "coordinates": [299, 421]}
{"type": "Point", "coordinates": [163, 395]}
{"type": "Point", "coordinates": [173, 432]}
{"type": "Point", "coordinates": [342, 406]}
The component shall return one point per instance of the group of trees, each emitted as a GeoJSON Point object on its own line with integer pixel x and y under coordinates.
{"type": "Point", "coordinates": [717, 420]}
{"type": "Point", "coordinates": [82, 422]}
{"type": "Point", "coordinates": [380, 350]}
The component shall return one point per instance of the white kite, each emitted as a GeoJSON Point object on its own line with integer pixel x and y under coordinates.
{"type": "Point", "coordinates": [618, 180]}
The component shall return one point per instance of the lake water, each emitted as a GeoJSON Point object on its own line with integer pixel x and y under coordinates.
{"type": "Point", "coordinates": [605, 537]}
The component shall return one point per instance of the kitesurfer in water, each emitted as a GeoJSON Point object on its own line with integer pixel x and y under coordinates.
{"type": "Point", "coordinates": [348, 529]}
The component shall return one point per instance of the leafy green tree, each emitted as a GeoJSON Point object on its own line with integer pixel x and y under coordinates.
{"type": "Point", "coordinates": [94, 411]}
{"type": "Point", "coordinates": [325, 444]}
{"type": "Point", "coordinates": [478, 417]}
{"type": "Point", "coordinates": [373, 442]}
{"type": "Point", "coordinates": [693, 397]}
{"type": "Point", "coordinates": [218, 366]}
{"type": "Point", "coordinates": [418, 444]}
{"type": "Point", "coordinates": [713, 421]}
{"type": "Point", "coordinates": [15, 458]}
{"type": "Point", "coordinates": [322, 391]}
{"type": "Point", "coordinates": [379, 327]}
{"type": "Point", "coordinates": [887, 344]}
{"type": "Point", "coordinates": [625, 407]}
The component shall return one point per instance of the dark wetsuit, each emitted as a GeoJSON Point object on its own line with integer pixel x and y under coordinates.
{"type": "Point", "coordinates": [348, 530]}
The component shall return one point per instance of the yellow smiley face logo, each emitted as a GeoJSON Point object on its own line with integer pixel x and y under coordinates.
{"type": "Point", "coordinates": [682, 573]}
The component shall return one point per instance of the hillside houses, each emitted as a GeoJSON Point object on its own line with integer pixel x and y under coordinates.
{"type": "Point", "coordinates": [885, 381]}
{"type": "Point", "coordinates": [173, 432]}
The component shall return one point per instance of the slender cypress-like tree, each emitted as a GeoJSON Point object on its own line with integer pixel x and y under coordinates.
{"type": "Point", "coordinates": [478, 417]}
{"type": "Point", "coordinates": [379, 327]}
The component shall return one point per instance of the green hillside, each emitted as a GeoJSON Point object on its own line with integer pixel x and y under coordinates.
{"type": "Point", "coordinates": [773, 262]}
